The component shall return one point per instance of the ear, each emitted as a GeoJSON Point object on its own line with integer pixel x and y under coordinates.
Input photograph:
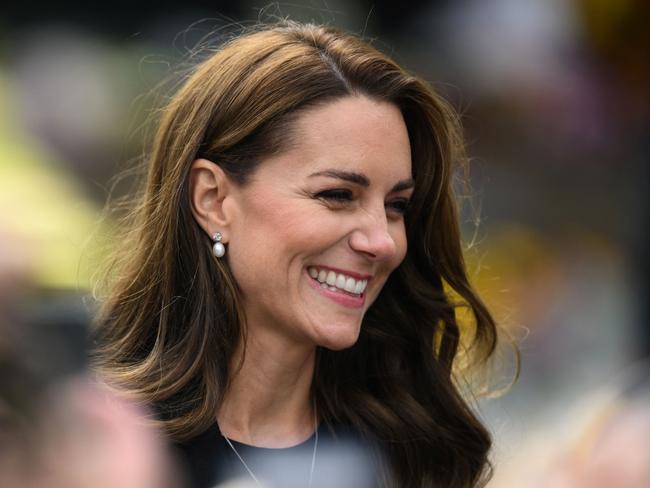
{"type": "Point", "coordinates": [211, 192]}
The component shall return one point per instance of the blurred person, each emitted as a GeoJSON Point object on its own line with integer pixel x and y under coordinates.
{"type": "Point", "coordinates": [82, 436]}
{"type": "Point", "coordinates": [265, 296]}
{"type": "Point", "coordinates": [95, 439]}
{"type": "Point", "coordinates": [599, 439]}
{"type": "Point", "coordinates": [613, 448]}
{"type": "Point", "coordinates": [58, 428]}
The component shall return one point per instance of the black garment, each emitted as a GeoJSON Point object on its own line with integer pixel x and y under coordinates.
{"type": "Point", "coordinates": [342, 460]}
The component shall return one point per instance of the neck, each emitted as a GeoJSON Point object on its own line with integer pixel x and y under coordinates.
{"type": "Point", "coordinates": [268, 401]}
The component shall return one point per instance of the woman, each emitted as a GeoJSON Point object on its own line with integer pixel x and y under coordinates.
{"type": "Point", "coordinates": [267, 290]}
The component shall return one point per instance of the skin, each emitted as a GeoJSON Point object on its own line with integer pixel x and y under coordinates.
{"type": "Point", "coordinates": [333, 199]}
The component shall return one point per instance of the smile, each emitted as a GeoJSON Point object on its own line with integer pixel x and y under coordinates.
{"type": "Point", "coordinates": [337, 282]}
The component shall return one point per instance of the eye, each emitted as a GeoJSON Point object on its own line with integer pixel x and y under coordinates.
{"type": "Point", "coordinates": [399, 205]}
{"type": "Point", "coordinates": [337, 195]}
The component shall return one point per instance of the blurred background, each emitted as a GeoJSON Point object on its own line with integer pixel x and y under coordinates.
{"type": "Point", "coordinates": [554, 96]}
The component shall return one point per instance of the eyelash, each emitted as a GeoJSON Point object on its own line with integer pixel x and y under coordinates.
{"type": "Point", "coordinates": [337, 195]}
{"type": "Point", "coordinates": [342, 196]}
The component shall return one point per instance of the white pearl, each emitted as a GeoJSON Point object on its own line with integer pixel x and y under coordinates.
{"type": "Point", "coordinates": [218, 249]}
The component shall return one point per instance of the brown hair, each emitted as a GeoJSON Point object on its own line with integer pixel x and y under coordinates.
{"type": "Point", "coordinates": [172, 318]}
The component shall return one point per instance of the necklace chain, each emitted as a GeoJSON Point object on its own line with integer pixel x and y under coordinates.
{"type": "Point", "coordinates": [257, 482]}
{"type": "Point", "coordinates": [313, 456]}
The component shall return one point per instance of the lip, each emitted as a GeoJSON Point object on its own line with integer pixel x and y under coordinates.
{"type": "Point", "coordinates": [341, 298]}
{"type": "Point", "coordinates": [353, 274]}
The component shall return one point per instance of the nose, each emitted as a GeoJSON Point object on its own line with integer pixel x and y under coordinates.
{"type": "Point", "coordinates": [372, 237]}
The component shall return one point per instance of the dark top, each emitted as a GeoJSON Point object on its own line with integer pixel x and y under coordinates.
{"type": "Point", "coordinates": [342, 460]}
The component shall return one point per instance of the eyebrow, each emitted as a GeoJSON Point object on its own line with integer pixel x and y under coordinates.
{"type": "Point", "coordinates": [362, 180]}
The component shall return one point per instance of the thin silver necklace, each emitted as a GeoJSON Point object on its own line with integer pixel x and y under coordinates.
{"type": "Point", "coordinates": [313, 456]}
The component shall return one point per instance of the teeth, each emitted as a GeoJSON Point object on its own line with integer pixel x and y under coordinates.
{"type": "Point", "coordinates": [322, 275]}
{"type": "Point", "coordinates": [340, 281]}
{"type": "Point", "coordinates": [360, 286]}
{"type": "Point", "coordinates": [337, 281]}
{"type": "Point", "coordinates": [350, 285]}
{"type": "Point", "coordinates": [331, 278]}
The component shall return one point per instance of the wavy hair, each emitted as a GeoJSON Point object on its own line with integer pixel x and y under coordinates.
{"type": "Point", "coordinates": [172, 317]}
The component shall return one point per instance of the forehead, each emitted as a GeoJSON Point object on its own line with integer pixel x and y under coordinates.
{"type": "Point", "coordinates": [353, 133]}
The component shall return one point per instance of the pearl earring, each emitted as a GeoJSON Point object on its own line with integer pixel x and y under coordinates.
{"type": "Point", "coordinates": [218, 249]}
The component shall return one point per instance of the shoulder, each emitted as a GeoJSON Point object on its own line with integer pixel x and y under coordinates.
{"type": "Point", "coordinates": [198, 458]}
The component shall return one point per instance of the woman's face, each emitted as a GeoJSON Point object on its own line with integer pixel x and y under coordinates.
{"type": "Point", "coordinates": [320, 227]}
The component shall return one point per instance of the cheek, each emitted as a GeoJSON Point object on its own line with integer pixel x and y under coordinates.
{"type": "Point", "coordinates": [269, 233]}
{"type": "Point", "coordinates": [266, 220]}
{"type": "Point", "coordinates": [290, 223]}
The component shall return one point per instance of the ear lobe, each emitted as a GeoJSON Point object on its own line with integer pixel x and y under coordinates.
{"type": "Point", "coordinates": [209, 187]}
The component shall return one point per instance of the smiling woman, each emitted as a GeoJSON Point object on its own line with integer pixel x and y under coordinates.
{"type": "Point", "coordinates": [284, 274]}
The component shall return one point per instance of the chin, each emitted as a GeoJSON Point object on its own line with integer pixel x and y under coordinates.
{"type": "Point", "coordinates": [337, 338]}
